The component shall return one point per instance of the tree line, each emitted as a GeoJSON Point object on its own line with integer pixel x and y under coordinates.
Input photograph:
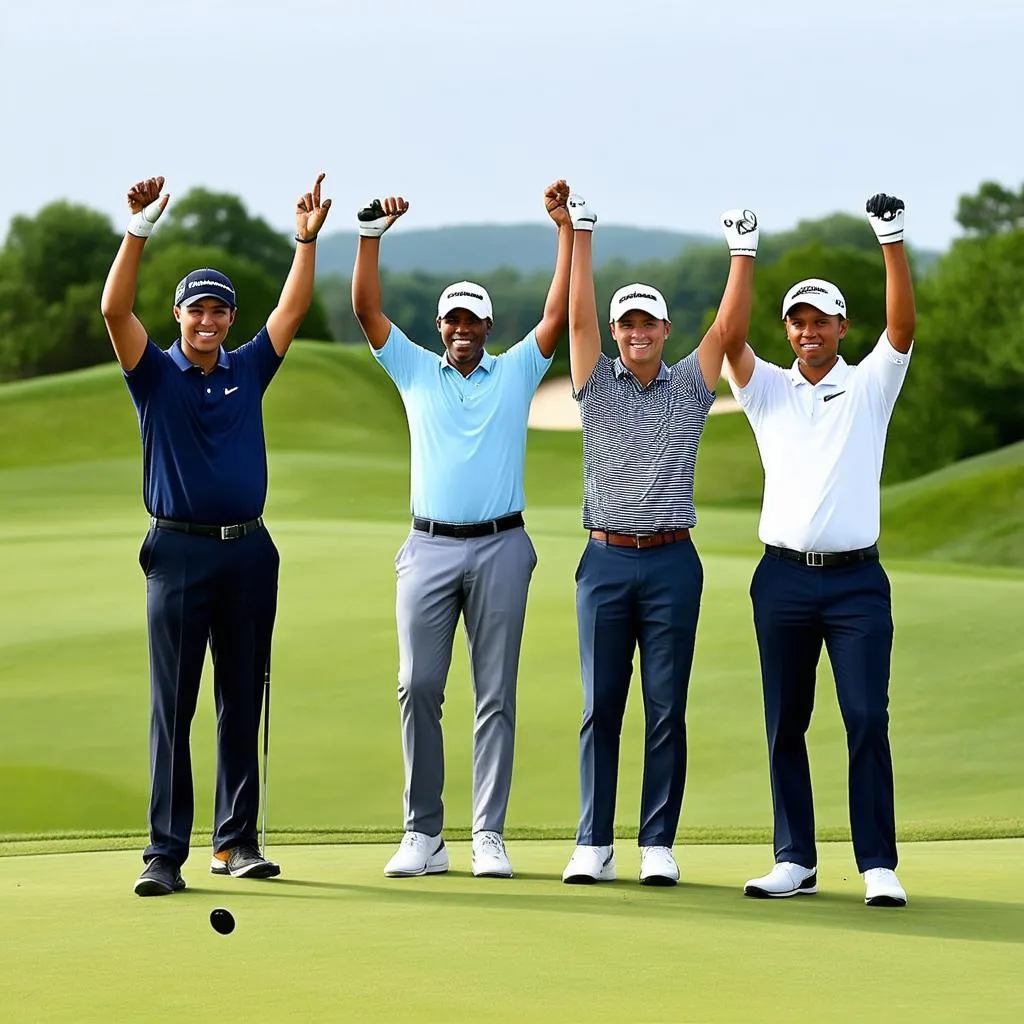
{"type": "Point", "coordinates": [961, 398]}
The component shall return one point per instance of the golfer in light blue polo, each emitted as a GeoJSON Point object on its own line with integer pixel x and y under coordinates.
{"type": "Point", "coordinates": [468, 552]}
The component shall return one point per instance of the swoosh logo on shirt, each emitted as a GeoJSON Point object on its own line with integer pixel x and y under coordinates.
{"type": "Point", "coordinates": [230, 391]}
{"type": "Point", "coordinates": [835, 394]}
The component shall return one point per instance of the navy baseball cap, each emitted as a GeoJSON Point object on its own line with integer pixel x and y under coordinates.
{"type": "Point", "coordinates": [205, 283]}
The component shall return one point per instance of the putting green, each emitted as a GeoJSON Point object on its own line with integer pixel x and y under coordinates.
{"type": "Point", "coordinates": [334, 940]}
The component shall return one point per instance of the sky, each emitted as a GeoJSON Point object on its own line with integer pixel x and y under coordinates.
{"type": "Point", "coordinates": [661, 114]}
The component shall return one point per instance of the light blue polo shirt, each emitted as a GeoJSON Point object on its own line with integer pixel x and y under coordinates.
{"type": "Point", "coordinates": [467, 434]}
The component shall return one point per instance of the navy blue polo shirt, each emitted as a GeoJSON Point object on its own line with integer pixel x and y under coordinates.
{"type": "Point", "coordinates": [204, 453]}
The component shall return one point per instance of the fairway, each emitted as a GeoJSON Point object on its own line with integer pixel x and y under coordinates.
{"type": "Point", "coordinates": [334, 940]}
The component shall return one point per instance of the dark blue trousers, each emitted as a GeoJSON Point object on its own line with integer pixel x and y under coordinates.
{"type": "Point", "coordinates": [797, 608]}
{"type": "Point", "coordinates": [627, 598]}
{"type": "Point", "coordinates": [223, 594]}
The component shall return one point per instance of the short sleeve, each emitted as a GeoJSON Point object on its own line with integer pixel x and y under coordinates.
{"type": "Point", "coordinates": [692, 381]}
{"type": "Point", "coordinates": [403, 359]}
{"type": "Point", "coordinates": [760, 393]}
{"type": "Point", "coordinates": [527, 361]}
{"type": "Point", "coordinates": [598, 381]}
{"type": "Point", "coordinates": [887, 368]}
{"type": "Point", "coordinates": [143, 378]}
{"type": "Point", "coordinates": [260, 357]}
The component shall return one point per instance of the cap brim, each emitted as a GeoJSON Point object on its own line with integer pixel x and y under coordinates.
{"type": "Point", "coordinates": [641, 307]}
{"type": "Point", "coordinates": [205, 295]}
{"type": "Point", "coordinates": [476, 310]}
{"type": "Point", "coordinates": [801, 301]}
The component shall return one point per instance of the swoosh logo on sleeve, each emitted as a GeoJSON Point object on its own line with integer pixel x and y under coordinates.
{"type": "Point", "coordinates": [835, 394]}
{"type": "Point", "coordinates": [231, 391]}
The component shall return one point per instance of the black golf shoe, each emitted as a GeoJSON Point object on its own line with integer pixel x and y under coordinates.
{"type": "Point", "coordinates": [161, 877]}
{"type": "Point", "coordinates": [244, 861]}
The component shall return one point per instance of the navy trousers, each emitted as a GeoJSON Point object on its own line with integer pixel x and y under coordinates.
{"type": "Point", "coordinates": [223, 594]}
{"type": "Point", "coordinates": [627, 598]}
{"type": "Point", "coordinates": [797, 608]}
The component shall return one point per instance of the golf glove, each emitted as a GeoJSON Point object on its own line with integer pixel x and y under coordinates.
{"type": "Point", "coordinates": [141, 224]}
{"type": "Point", "coordinates": [582, 216]}
{"type": "Point", "coordinates": [885, 215]}
{"type": "Point", "coordinates": [373, 221]}
{"type": "Point", "coordinates": [741, 232]}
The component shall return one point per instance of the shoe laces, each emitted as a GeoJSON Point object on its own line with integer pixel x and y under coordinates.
{"type": "Point", "coordinates": [490, 843]}
{"type": "Point", "coordinates": [248, 850]}
{"type": "Point", "coordinates": [413, 840]}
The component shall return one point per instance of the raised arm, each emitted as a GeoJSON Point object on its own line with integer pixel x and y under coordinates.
{"type": "Point", "coordinates": [126, 332]}
{"type": "Point", "coordinates": [297, 293]}
{"type": "Point", "coordinates": [885, 214]}
{"type": "Point", "coordinates": [584, 326]}
{"type": "Point", "coordinates": [374, 219]}
{"type": "Point", "coordinates": [727, 337]}
{"type": "Point", "coordinates": [556, 307]}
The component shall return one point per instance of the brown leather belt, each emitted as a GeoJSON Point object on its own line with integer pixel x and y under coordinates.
{"type": "Point", "coordinates": [640, 540]}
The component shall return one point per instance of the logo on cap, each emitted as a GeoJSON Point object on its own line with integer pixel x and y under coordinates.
{"type": "Point", "coordinates": [638, 295]}
{"type": "Point", "coordinates": [467, 295]}
{"type": "Point", "coordinates": [811, 289]}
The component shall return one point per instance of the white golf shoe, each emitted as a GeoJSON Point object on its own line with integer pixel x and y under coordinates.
{"type": "Point", "coordinates": [658, 866]}
{"type": "Point", "coordinates": [490, 859]}
{"type": "Point", "coordinates": [418, 854]}
{"type": "Point", "coordinates": [883, 889]}
{"type": "Point", "coordinates": [785, 879]}
{"type": "Point", "coordinates": [589, 864]}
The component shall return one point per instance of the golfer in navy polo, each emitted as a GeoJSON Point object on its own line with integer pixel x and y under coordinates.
{"type": "Point", "coordinates": [468, 553]}
{"type": "Point", "coordinates": [820, 426]}
{"type": "Point", "coordinates": [639, 581]}
{"type": "Point", "coordinates": [211, 566]}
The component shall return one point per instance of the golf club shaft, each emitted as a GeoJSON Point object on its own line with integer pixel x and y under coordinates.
{"type": "Point", "coordinates": [266, 749]}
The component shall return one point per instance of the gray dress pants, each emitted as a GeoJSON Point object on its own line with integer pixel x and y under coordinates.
{"type": "Point", "coordinates": [486, 580]}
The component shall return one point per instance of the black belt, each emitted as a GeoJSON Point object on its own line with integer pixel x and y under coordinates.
{"type": "Point", "coordinates": [466, 530]}
{"type": "Point", "coordinates": [232, 532]}
{"type": "Point", "coordinates": [825, 559]}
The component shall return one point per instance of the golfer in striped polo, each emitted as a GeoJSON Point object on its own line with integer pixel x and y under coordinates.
{"type": "Point", "coordinates": [468, 553]}
{"type": "Point", "coordinates": [639, 581]}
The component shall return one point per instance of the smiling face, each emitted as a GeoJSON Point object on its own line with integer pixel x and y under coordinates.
{"type": "Point", "coordinates": [641, 340]}
{"type": "Point", "coordinates": [463, 334]}
{"type": "Point", "coordinates": [205, 324]}
{"type": "Point", "coordinates": [814, 337]}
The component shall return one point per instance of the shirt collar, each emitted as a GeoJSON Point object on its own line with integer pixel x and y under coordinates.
{"type": "Point", "coordinates": [183, 362]}
{"type": "Point", "coordinates": [620, 368]}
{"type": "Point", "coordinates": [836, 377]}
{"type": "Point", "coordinates": [485, 364]}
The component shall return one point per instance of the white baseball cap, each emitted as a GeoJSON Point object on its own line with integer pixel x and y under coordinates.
{"type": "Point", "coordinates": [465, 295]}
{"type": "Point", "coordinates": [638, 296]}
{"type": "Point", "coordinates": [823, 295]}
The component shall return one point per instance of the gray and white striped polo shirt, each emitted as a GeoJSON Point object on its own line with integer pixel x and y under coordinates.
{"type": "Point", "coordinates": [640, 446]}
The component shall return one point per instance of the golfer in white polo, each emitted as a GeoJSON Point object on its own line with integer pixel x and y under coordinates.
{"type": "Point", "coordinates": [468, 553]}
{"type": "Point", "coordinates": [820, 426]}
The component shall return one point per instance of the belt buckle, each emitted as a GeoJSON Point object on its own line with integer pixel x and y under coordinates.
{"type": "Point", "coordinates": [232, 532]}
{"type": "Point", "coordinates": [814, 558]}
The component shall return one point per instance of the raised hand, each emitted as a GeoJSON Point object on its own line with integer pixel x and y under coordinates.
{"type": "Point", "coordinates": [146, 204]}
{"type": "Point", "coordinates": [310, 212]}
{"type": "Point", "coordinates": [378, 215]}
{"type": "Point", "coordinates": [885, 215]}
{"type": "Point", "coordinates": [741, 232]}
{"type": "Point", "coordinates": [556, 195]}
{"type": "Point", "coordinates": [582, 216]}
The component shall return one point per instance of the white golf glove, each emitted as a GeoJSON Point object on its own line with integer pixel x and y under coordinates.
{"type": "Point", "coordinates": [741, 232]}
{"type": "Point", "coordinates": [885, 215]}
{"type": "Point", "coordinates": [141, 224]}
{"type": "Point", "coordinates": [582, 216]}
{"type": "Point", "coordinates": [373, 221]}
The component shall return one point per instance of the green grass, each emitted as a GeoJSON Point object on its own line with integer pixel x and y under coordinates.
{"type": "Point", "coordinates": [334, 940]}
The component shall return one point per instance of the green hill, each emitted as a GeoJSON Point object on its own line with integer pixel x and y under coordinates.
{"type": "Point", "coordinates": [73, 648]}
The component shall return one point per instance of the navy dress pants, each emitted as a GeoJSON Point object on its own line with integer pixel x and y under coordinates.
{"type": "Point", "coordinates": [628, 598]}
{"type": "Point", "coordinates": [797, 608]}
{"type": "Point", "coordinates": [202, 592]}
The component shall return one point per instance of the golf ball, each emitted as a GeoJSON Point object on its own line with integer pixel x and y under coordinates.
{"type": "Point", "coordinates": [222, 921]}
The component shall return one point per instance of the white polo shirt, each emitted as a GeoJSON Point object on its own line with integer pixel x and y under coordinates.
{"type": "Point", "coordinates": [821, 447]}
